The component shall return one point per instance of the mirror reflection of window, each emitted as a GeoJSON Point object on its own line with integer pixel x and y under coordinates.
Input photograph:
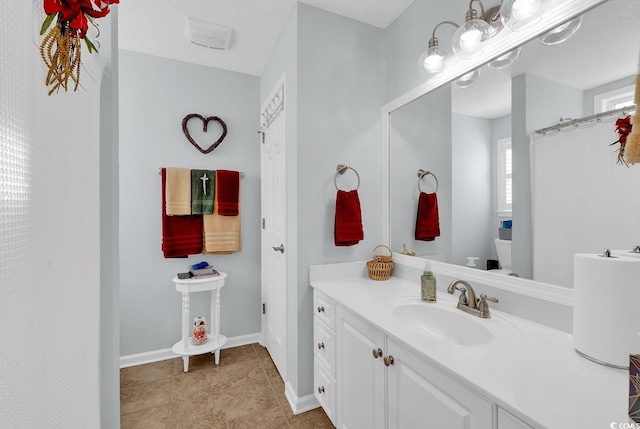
{"type": "Point", "coordinates": [505, 183]}
{"type": "Point", "coordinates": [616, 99]}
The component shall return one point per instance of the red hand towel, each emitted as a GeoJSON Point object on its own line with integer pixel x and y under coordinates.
{"type": "Point", "coordinates": [427, 220]}
{"type": "Point", "coordinates": [348, 221]}
{"type": "Point", "coordinates": [228, 192]}
{"type": "Point", "coordinates": [181, 235]}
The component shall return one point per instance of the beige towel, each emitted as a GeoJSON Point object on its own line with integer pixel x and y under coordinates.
{"type": "Point", "coordinates": [178, 191]}
{"type": "Point", "coordinates": [221, 234]}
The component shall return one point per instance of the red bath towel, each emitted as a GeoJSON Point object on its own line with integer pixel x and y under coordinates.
{"type": "Point", "coordinates": [427, 220]}
{"type": "Point", "coordinates": [228, 192]}
{"type": "Point", "coordinates": [181, 235]}
{"type": "Point", "coordinates": [348, 221]}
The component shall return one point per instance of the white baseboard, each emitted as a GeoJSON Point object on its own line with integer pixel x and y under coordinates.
{"type": "Point", "coordinates": [165, 354]}
{"type": "Point", "coordinates": [299, 404]}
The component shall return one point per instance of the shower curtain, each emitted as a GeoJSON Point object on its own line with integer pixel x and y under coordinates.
{"type": "Point", "coordinates": [582, 201]}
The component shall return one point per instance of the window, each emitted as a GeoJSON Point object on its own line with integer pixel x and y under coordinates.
{"type": "Point", "coordinates": [505, 181]}
{"type": "Point", "coordinates": [614, 99]}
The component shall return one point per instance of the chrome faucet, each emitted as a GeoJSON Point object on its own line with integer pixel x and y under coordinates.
{"type": "Point", "coordinates": [471, 304]}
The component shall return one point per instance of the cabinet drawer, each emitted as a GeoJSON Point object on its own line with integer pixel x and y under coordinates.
{"type": "Point", "coordinates": [324, 309]}
{"type": "Point", "coordinates": [324, 346]}
{"type": "Point", "coordinates": [325, 390]}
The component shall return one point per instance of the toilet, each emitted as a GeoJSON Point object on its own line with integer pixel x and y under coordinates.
{"type": "Point", "coordinates": [503, 247]}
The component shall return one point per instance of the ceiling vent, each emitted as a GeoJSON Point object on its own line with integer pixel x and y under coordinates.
{"type": "Point", "coordinates": [208, 34]}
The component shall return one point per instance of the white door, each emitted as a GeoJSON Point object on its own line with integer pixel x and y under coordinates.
{"type": "Point", "coordinates": [273, 253]}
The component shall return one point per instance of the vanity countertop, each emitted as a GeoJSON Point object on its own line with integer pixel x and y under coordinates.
{"type": "Point", "coordinates": [536, 375]}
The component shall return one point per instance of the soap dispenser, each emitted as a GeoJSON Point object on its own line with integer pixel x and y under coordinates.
{"type": "Point", "coordinates": [428, 284]}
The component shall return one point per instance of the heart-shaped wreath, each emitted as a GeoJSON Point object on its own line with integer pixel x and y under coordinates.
{"type": "Point", "coordinates": [205, 123]}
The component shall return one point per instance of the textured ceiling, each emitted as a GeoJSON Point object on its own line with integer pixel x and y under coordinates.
{"type": "Point", "coordinates": [604, 49]}
{"type": "Point", "coordinates": [159, 27]}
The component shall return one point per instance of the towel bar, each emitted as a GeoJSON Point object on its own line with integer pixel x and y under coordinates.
{"type": "Point", "coordinates": [341, 169]}
{"type": "Point", "coordinates": [422, 173]}
{"type": "Point", "coordinates": [241, 173]}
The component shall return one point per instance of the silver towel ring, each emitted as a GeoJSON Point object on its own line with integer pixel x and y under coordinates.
{"type": "Point", "coordinates": [341, 169]}
{"type": "Point", "coordinates": [421, 174]}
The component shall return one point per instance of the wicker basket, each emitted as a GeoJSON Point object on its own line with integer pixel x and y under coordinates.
{"type": "Point", "coordinates": [380, 266]}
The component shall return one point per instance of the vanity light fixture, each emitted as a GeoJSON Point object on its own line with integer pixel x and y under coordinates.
{"type": "Point", "coordinates": [519, 14]}
{"type": "Point", "coordinates": [561, 33]}
{"type": "Point", "coordinates": [469, 37]}
{"type": "Point", "coordinates": [433, 60]}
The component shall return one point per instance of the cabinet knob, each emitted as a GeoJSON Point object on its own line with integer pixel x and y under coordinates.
{"type": "Point", "coordinates": [320, 309]}
{"type": "Point", "coordinates": [320, 346]}
{"type": "Point", "coordinates": [321, 389]}
{"type": "Point", "coordinates": [388, 360]}
{"type": "Point", "coordinates": [377, 353]}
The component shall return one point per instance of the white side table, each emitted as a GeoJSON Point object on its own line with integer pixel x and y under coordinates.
{"type": "Point", "coordinates": [215, 341]}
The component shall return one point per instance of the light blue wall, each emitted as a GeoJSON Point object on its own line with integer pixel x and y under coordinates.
{"type": "Point", "coordinates": [155, 95]}
{"type": "Point", "coordinates": [420, 138]}
{"type": "Point", "coordinates": [471, 189]}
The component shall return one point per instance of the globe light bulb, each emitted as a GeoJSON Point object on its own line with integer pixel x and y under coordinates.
{"type": "Point", "coordinates": [561, 33]}
{"type": "Point", "coordinates": [523, 9]}
{"type": "Point", "coordinates": [519, 14]}
{"type": "Point", "coordinates": [470, 39]}
{"type": "Point", "coordinates": [560, 28]}
{"type": "Point", "coordinates": [433, 62]}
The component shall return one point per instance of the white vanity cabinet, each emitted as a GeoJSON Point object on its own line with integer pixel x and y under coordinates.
{"type": "Point", "coordinates": [324, 355]}
{"type": "Point", "coordinates": [381, 384]}
{"type": "Point", "coordinates": [387, 374]}
{"type": "Point", "coordinates": [421, 396]}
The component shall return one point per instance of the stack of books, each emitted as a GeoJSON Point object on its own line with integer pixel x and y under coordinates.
{"type": "Point", "coordinates": [202, 269]}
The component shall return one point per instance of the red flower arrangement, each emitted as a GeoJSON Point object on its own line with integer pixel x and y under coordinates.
{"type": "Point", "coordinates": [60, 49]}
{"type": "Point", "coordinates": [623, 128]}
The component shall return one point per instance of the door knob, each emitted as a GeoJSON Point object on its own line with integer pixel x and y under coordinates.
{"type": "Point", "coordinates": [377, 353]}
{"type": "Point", "coordinates": [279, 248]}
{"type": "Point", "coordinates": [388, 360]}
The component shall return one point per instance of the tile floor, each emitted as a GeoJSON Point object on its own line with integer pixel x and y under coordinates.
{"type": "Point", "coordinates": [244, 391]}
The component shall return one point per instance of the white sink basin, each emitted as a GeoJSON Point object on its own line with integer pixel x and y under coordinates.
{"type": "Point", "coordinates": [438, 322]}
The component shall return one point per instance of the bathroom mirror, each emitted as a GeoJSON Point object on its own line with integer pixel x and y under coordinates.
{"type": "Point", "coordinates": [463, 166]}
